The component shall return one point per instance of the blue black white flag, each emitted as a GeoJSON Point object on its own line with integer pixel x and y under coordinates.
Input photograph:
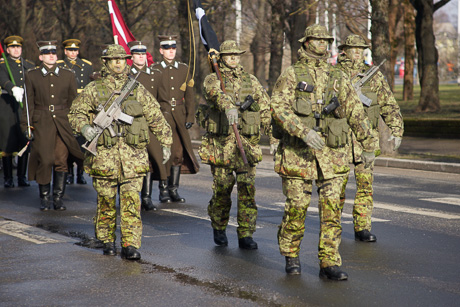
{"type": "Point", "coordinates": [207, 34]}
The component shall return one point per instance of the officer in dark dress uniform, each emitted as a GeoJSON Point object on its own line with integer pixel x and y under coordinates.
{"type": "Point", "coordinates": [50, 92]}
{"type": "Point", "coordinates": [83, 70]}
{"type": "Point", "coordinates": [12, 96]}
{"type": "Point", "coordinates": [176, 98]}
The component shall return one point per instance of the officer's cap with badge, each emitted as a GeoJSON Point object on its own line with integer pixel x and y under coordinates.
{"type": "Point", "coordinates": [316, 31]}
{"type": "Point", "coordinates": [13, 40]}
{"type": "Point", "coordinates": [72, 44]}
{"type": "Point", "coordinates": [354, 40]}
{"type": "Point", "coordinates": [230, 47]}
{"type": "Point", "coordinates": [114, 51]}
{"type": "Point", "coordinates": [47, 47]}
{"type": "Point", "coordinates": [137, 47]}
{"type": "Point", "coordinates": [168, 41]}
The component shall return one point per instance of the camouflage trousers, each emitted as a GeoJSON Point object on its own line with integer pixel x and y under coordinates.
{"type": "Point", "coordinates": [130, 210]}
{"type": "Point", "coordinates": [221, 202]}
{"type": "Point", "coordinates": [291, 231]}
{"type": "Point", "coordinates": [364, 198]}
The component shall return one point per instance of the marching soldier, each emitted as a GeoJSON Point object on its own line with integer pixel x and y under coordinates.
{"type": "Point", "coordinates": [381, 103]}
{"type": "Point", "coordinates": [50, 91]}
{"type": "Point", "coordinates": [313, 106]}
{"type": "Point", "coordinates": [149, 78]}
{"type": "Point", "coordinates": [12, 97]}
{"type": "Point", "coordinates": [83, 70]}
{"type": "Point", "coordinates": [246, 103]}
{"type": "Point", "coordinates": [176, 98]}
{"type": "Point", "coordinates": [121, 160]}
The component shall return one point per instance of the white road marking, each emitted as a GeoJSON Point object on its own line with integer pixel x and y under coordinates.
{"type": "Point", "coordinates": [232, 221]}
{"type": "Point", "coordinates": [444, 200]}
{"type": "Point", "coordinates": [30, 233]}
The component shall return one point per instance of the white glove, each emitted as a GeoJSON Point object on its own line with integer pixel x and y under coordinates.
{"type": "Point", "coordinates": [166, 154]}
{"type": "Point", "coordinates": [88, 132]}
{"type": "Point", "coordinates": [398, 141]}
{"type": "Point", "coordinates": [368, 157]}
{"type": "Point", "coordinates": [313, 140]}
{"type": "Point", "coordinates": [273, 148]}
{"type": "Point", "coordinates": [232, 116]}
{"type": "Point", "coordinates": [18, 93]}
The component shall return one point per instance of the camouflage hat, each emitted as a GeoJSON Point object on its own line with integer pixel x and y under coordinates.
{"type": "Point", "coordinates": [229, 47]}
{"type": "Point", "coordinates": [115, 51]}
{"type": "Point", "coordinates": [354, 40]}
{"type": "Point", "coordinates": [316, 31]}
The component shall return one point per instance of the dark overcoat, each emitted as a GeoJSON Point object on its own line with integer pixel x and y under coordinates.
{"type": "Point", "coordinates": [82, 68]}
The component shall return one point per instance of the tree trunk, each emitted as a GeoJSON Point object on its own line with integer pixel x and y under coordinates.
{"type": "Point", "coordinates": [409, 50]}
{"type": "Point", "coordinates": [258, 44]}
{"type": "Point", "coordinates": [381, 51]}
{"type": "Point", "coordinates": [427, 57]}
{"type": "Point", "coordinates": [297, 25]}
{"type": "Point", "coordinates": [277, 41]}
{"type": "Point", "coordinates": [184, 36]}
{"type": "Point", "coordinates": [394, 16]}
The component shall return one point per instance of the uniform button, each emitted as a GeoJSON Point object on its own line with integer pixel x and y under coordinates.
{"type": "Point", "coordinates": [54, 116]}
{"type": "Point", "coordinates": [170, 67]}
{"type": "Point", "coordinates": [172, 88]}
{"type": "Point", "coordinates": [81, 81]}
{"type": "Point", "coordinates": [52, 96]}
{"type": "Point", "coordinates": [153, 79]}
{"type": "Point", "coordinates": [51, 74]}
{"type": "Point", "coordinates": [82, 75]}
{"type": "Point", "coordinates": [172, 77]}
{"type": "Point", "coordinates": [52, 85]}
{"type": "Point", "coordinates": [20, 71]}
{"type": "Point", "coordinates": [172, 109]}
{"type": "Point", "coordinates": [21, 79]}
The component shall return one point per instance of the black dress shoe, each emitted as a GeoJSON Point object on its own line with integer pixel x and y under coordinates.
{"type": "Point", "coordinates": [148, 205]}
{"type": "Point", "coordinates": [110, 249]}
{"type": "Point", "coordinates": [81, 179]}
{"type": "Point", "coordinates": [69, 178]}
{"type": "Point", "coordinates": [44, 205]}
{"type": "Point", "coordinates": [9, 183]}
{"type": "Point", "coordinates": [22, 182]}
{"type": "Point", "coordinates": [130, 253]}
{"type": "Point", "coordinates": [333, 272]}
{"type": "Point", "coordinates": [293, 265]}
{"type": "Point", "coordinates": [365, 236]}
{"type": "Point", "coordinates": [59, 205]}
{"type": "Point", "coordinates": [220, 237]}
{"type": "Point", "coordinates": [247, 243]}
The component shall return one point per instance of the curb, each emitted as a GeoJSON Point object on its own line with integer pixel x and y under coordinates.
{"type": "Point", "coordinates": [428, 166]}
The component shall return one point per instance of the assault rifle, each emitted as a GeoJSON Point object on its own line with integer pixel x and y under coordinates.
{"type": "Point", "coordinates": [104, 119]}
{"type": "Point", "coordinates": [368, 75]}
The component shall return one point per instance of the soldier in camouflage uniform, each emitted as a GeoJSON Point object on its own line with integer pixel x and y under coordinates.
{"type": "Point", "coordinates": [121, 161]}
{"type": "Point", "coordinates": [313, 106]}
{"type": "Point", "coordinates": [383, 104]}
{"type": "Point", "coordinates": [219, 147]}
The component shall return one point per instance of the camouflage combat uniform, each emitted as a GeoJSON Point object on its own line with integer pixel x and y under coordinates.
{"type": "Point", "coordinates": [295, 113]}
{"type": "Point", "coordinates": [219, 147]}
{"type": "Point", "coordinates": [384, 105]}
{"type": "Point", "coordinates": [121, 162]}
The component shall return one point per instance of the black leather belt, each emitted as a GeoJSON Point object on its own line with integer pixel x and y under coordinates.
{"type": "Point", "coordinates": [51, 108]}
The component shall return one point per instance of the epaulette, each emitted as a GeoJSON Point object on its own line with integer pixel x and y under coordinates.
{"type": "Point", "coordinates": [155, 64]}
{"type": "Point", "coordinates": [68, 69]}
{"type": "Point", "coordinates": [33, 68]}
{"type": "Point", "coordinates": [182, 63]}
{"type": "Point", "coordinates": [29, 61]}
{"type": "Point", "coordinates": [2, 60]}
{"type": "Point", "coordinates": [59, 61]}
{"type": "Point", "coordinates": [87, 62]}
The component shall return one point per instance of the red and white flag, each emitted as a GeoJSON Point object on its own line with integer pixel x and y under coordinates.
{"type": "Point", "coordinates": [120, 29]}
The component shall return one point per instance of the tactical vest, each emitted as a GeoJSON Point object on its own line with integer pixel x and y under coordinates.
{"type": "Point", "coordinates": [136, 134]}
{"type": "Point", "coordinates": [215, 121]}
{"type": "Point", "coordinates": [309, 109]}
{"type": "Point", "coordinates": [372, 111]}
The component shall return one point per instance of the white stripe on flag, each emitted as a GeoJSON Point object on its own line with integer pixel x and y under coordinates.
{"type": "Point", "coordinates": [199, 12]}
{"type": "Point", "coordinates": [117, 24]}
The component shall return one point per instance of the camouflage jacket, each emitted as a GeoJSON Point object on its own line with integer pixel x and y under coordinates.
{"type": "Point", "coordinates": [222, 150]}
{"type": "Point", "coordinates": [109, 162]}
{"type": "Point", "coordinates": [386, 105]}
{"type": "Point", "coordinates": [298, 159]}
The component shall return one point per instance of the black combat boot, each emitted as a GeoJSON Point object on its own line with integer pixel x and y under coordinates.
{"type": "Point", "coordinates": [22, 170]}
{"type": "Point", "coordinates": [293, 265]}
{"type": "Point", "coordinates": [146, 193]}
{"type": "Point", "coordinates": [80, 178]}
{"type": "Point", "coordinates": [220, 237]}
{"type": "Point", "coordinates": [45, 196]}
{"type": "Point", "coordinates": [247, 243]}
{"type": "Point", "coordinates": [365, 236]}
{"type": "Point", "coordinates": [164, 192]}
{"type": "Point", "coordinates": [59, 181]}
{"type": "Point", "coordinates": [70, 175]}
{"type": "Point", "coordinates": [8, 171]}
{"type": "Point", "coordinates": [173, 184]}
{"type": "Point", "coordinates": [130, 253]}
{"type": "Point", "coordinates": [109, 249]}
{"type": "Point", "coordinates": [333, 272]}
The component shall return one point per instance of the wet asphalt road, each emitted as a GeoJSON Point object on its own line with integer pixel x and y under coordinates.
{"type": "Point", "coordinates": [413, 263]}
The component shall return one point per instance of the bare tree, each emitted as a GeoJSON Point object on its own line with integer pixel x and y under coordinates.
{"type": "Point", "coordinates": [277, 41]}
{"type": "Point", "coordinates": [409, 50]}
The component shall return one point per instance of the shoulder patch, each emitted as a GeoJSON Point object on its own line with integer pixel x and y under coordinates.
{"type": "Point", "coordinates": [87, 62]}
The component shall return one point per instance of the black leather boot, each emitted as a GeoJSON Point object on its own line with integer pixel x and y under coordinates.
{"type": "Point", "coordinates": [164, 193]}
{"type": "Point", "coordinates": [293, 265]}
{"type": "Point", "coordinates": [173, 184]}
{"type": "Point", "coordinates": [333, 272]}
{"type": "Point", "coordinates": [59, 181]}
{"type": "Point", "coordinates": [22, 170]}
{"type": "Point", "coordinates": [80, 178]}
{"type": "Point", "coordinates": [8, 171]}
{"type": "Point", "coordinates": [45, 196]}
{"type": "Point", "coordinates": [247, 243]}
{"type": "Point", "coordinates": [220, 237]}
{"type": "Point", "coordinates": [146, 193]}
{"type": "Point", "coordinates": [109, 249]}
{"type": "Point", "coordinates": [365, 236]}
{"type": "Point", "coordinates": [70, 175]}
{"type": "Point", "coordinates": [130, 253]}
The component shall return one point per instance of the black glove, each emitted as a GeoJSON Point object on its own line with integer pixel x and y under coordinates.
{"type": "Point", "coordinates": [29, 137]}
{"type": "Point", "coordinates": [188, 125]}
